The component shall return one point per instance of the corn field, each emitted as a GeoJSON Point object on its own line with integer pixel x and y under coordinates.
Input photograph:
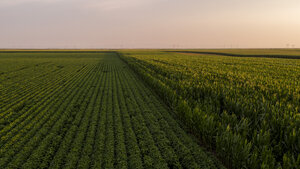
{"type": "Point", "coordinates": [246, 109]}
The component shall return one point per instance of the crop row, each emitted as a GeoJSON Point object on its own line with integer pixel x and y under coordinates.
{"type": "Point", "coordinates": [247, 119]}
{"type": "Point", "coordinates": [159, 145]}
{"type": "Point", "coordinates": [102, 116]}
{"type": "Point", "coordinates": [28, 89]}
{"type": "Point", "coordinates": [32, 98]}
{"type": "Point", "coordinates": [38, 126]}
{"type": "Point", "coordinates": [25, 117]}
{"type": "Point", "coordinates": [26, 94]}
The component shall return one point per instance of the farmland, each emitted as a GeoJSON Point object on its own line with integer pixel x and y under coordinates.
{"type": "Point", "coordinates": [244, 104]}
{"type": "Point", "coordinates": [150, 109]}
{"type": "Point", "coordinates": [87, 109]}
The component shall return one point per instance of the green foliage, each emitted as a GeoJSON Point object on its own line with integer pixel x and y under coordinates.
{"type": "Point", "coordinates": [246, 109]}
{"type": "Point", "coordinates": [87, 109]}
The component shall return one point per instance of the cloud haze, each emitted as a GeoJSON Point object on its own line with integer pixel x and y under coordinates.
{"type": "Point", "coordinates": [148, 23]}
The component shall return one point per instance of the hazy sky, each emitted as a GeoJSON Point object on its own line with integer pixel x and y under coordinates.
{"type": "Point", "coordinates": [149, 23]}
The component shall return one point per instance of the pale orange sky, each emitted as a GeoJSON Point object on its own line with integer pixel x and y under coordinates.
{"type": "Point", "coordinates": [149, 23]}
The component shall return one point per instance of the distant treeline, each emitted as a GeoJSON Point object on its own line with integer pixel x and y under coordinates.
{"type": "Point", "coordinates": [240, 55]}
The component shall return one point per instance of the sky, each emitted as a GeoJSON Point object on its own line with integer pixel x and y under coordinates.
{"type": "Point", "coordinates": [149, 23]}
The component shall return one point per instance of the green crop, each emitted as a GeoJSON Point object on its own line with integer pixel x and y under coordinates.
{"type": "Point", "coordinates": [244, 108]}
{"type": "Point", "coordinates": [87, 109]}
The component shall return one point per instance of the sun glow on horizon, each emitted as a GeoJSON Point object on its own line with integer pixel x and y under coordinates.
{"type": "Point", "coordinates": [149, 24]}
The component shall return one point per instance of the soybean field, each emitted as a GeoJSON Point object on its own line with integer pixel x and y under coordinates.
{"type": "Point", "coordinates": [243, 104]}
{"type": "Point", "coordinates": [89, 109]}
